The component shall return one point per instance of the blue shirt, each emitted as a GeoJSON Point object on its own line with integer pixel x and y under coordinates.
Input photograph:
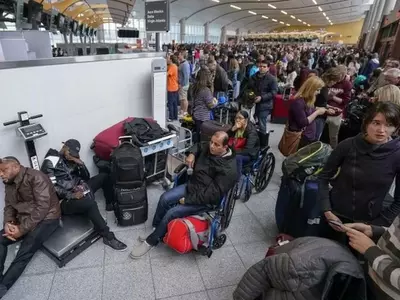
{"type": "Point", "coordinates": [184, 73]}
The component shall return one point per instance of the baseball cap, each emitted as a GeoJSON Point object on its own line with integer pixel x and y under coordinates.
{"type": "Point", "coordinates": [74, 147]}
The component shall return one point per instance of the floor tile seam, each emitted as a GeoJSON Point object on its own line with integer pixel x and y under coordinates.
{"type": "Point", "coordinates": [186, 294]}
{"type": "Point", "coordinates": [152, 277]}
{"type": "Point", "coordinates": [38, 274]}
{"type": "Point", "coordinates": [258, 221]}
{"type": "Point", "coordinates": [63, 270]}
{"type": "Point", "coordinates": [104, 272]}
{"type": "Point", "coordinates": [51, 285]}
{"type": "Point", "coordinates": [201, 276]}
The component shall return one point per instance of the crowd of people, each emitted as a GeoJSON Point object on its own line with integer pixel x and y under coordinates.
{"type": "Point", "coordinates": [320, 84]}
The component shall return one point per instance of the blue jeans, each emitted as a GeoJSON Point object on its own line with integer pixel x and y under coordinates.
{"type": "Point", "coordinates": [168, 209]}
{"type": "Point", "coordinates": [240, 161]}
{"type": "Point", "coordinates": [172, 102]}
{"type": "Point", "coordinates": [320, 124]}
{"type": "Point", "coordinates": [262, 120]}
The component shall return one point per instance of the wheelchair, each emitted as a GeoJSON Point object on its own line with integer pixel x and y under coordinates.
{"type": "Point", "coordinates": [218, 216]}
{"type": "Point", "coordinates": [258, 173]}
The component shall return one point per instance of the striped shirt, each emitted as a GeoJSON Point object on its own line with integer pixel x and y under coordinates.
{"type": "Point", "coordinates": [201, 105]}
{"type": "Point", "coordinates": [384, 261]}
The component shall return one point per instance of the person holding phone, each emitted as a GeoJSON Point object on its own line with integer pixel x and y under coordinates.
{"type": "Point", "coordinates": [361, 171]}
{"type": "Point", "coordinates": [383, 257]}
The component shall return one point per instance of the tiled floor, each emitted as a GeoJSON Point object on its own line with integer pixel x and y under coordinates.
{"type": "Point", "coordinates": [103, 274]}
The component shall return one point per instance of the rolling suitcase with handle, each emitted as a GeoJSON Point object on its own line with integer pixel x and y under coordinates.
{"type": "Point", "coordinates": [208, 128]}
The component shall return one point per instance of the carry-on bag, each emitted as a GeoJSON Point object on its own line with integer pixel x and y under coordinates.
{"type": "Point", "coordinates": [107, 140]}
{"type": "Point", "coordinates": [131, 205]}
{"type": "Point", "coordinates": [187, 234]}
{"type": "Point", "coordinates": [208, 128]}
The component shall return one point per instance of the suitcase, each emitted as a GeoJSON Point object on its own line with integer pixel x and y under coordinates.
{"type": "Point", "coordinates": [297, 212]}
{"type": "Point", "coordinates": [107, 140]}
{"type": "Point", "coordinates": [131, 205]}
{"type": "Point", "coordinates": [208, 128]}
{"type": "Point", "coordinates": [280, 112]}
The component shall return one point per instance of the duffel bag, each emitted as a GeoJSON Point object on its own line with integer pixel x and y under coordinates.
{"type": "Point", "coordinates": [187, 234]}
{"type": "Point", "coordinates": [131, 206]}
{"type": "Point", "coordinates": [208, 128]}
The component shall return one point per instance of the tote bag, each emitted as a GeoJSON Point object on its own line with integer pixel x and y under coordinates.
{"type": "Point", "coordinates": [289, 141]}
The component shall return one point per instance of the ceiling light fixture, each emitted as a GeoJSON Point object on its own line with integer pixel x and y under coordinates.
{"type": "Point", "coordinates": [299, 20]}
{"type": "Point", "coordinates": [319, 7]}
{"type": "Point", "coordinates": [293, 17]}
{"type": "Point", "coordinates": [287, 24]}
{"type": "Point", "coordinates": [284, 12]}
{"type": "Point", "coordinates": [308, 25]}
{"type": "Point", "coordinates": [265, 17]}
{"type": "Point", "coordinates": [274, 20]}
{"type": "Point", "coordinates": [215, 1]}
{"type": "Point", "coordinates": [252, 12]}
{"type": "Point", "coordinates": [315, 2]}
{"type": "Point", "coordinates": [281, 22]}
{"type": "Point", "coordinates": [270, 5]}
{"type": "Point", "coordinates": [324, 14]}
{"type": "Point", "coordinates": [235, 7]}
{"type": "Point", "coordinates": [304, 23]}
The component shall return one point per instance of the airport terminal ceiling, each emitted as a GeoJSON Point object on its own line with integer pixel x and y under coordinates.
{"type": "Point", "coordinates": [254, 15]}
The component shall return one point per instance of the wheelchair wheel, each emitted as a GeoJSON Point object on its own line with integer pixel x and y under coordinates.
{"type": "Point", "coordinates": [219, 241]}
{"type": "Point", "coordinates": [265, 172]}
{"type": "Point", "coordinates": [228, 209]}
{"type": "Point", "coordinates": [248, 190]}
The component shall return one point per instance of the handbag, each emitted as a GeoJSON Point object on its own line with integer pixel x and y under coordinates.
{"type": "Point", "coordinates": [289, 141]}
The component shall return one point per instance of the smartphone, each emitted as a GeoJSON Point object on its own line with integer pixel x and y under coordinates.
{"type": "Point", "coordinates": [336, 223]}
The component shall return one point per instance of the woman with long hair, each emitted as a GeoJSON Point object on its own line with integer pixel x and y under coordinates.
{"type": "Point", "coordinates": [302, 112]}
{"type": "Point", "coordinates": [389, 92]}
{"type": "Point", "coordinates": [203, 99]}
{"type": "Point", "coordinates": [233, 76]}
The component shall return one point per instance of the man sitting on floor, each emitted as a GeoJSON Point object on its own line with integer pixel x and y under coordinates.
{"type": "Point", "coordinates": [76, 189]}
{"type": "Point", "coordinates": [214, 174]}
{"type": "Point", "coordinates": [31, 215]}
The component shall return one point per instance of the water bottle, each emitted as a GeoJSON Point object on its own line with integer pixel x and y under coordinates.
{"type": "Point", "coordinates": [189, 171]}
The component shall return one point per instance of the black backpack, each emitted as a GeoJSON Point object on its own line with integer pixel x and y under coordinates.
{"type": "Point", "coordinates": [127, 166]}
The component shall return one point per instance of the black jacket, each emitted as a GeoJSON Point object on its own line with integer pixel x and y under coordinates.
{"type": "Point", "coordinates": [212, 177]}
{"type": "Point", "coordinates": [221, 80]}
{"type": "Point", "coordinates": [266, 87]}
{"type": "Point", "coordinates": [252, 141]}
{"type": "Point", "coordinates": [365, 177]}
{"type": "Point", "coordinates": [66, 176]}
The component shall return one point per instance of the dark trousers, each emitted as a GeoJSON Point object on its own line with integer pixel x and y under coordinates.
{"type": "Point", "coordinates": [31, 242]}
{"type": "Point", "coordinates": [197, 138]}
{"type": "Point", "coordinates": [168, 209]}
{"type": "Point", "coordinates": [320, 124]}
{"type": "Point", "coordinates": [240, 161]}
{"type": "Point", "coordinates": [102, 181]}
{"type": "Point", "coordinates": [172, 103]}
{"type": "Point", "coordinates": [88, 206]}
{"type": "Point", "coordinates": [304, 142]}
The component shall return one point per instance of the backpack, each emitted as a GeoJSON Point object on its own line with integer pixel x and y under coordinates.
{"type": "Point", "coordinates": [127, 166]}
{"type": "Point", "coordinates": [143, 129]}
{"type": "Point", "coordinates": [187, 234]}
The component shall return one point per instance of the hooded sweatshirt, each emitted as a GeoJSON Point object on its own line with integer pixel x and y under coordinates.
{"type": "Point", "coordinates": [366, 174]}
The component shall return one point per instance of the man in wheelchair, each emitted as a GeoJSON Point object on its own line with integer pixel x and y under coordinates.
{"type": "Point", "coordinates": [214, 174]}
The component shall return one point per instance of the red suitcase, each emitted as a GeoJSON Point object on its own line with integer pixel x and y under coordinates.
{"type": "Point", "coordinates": [107, 140]}
{"type": "Point", "coordinates": [280, 111]}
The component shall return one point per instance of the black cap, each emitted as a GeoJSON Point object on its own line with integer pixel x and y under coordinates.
{"type": "Point", "coordinates": [74, 147]}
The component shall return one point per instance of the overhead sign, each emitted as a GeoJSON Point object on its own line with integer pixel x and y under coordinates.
{"type": "Point", "coordinates": [157, 15]}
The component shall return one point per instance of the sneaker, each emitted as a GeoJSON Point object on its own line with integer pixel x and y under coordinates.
{"type": "Point", "coordinates": [143, 238]}
{"type": "Point", "coordinates": [115, 244]}
{"type": "Point", "coordinates": [169, 120]}
{"type": "Point", "coordinates": [140, 250]}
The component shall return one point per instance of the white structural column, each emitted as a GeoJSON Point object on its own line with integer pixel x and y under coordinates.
{"type": "Point", "coordinates": [389, 6]}
{"type": "Point", "coordinates": [386, 9]}
{"type": "Point", "coordinates": [366, 21]}
{"type": "Point", "coordinates": [206, 32]}
{"type": "Point", "coordinates": [182, 22]}
{"type": "Point", "coordinates": [100, 34]}
{"type": "Point", "coordinates": [223, 35]}
{"type": "Point", "coordinates": [237, 35]}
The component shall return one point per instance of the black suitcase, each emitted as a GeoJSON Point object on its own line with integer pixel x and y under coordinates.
{"type": "Point", "coordinates": [131, 205]}
{"type": "Point", "coordinates": [208, 128]}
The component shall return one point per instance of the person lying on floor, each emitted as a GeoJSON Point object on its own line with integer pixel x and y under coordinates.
{"type": "Point", "coordinates": [31, 214]}
{"type": "Point", "coordinates": [214, 174]}
{"type": "Point", "coordinates": [383, 257]}
{"type": "Point", "coordinates": [76, 188]}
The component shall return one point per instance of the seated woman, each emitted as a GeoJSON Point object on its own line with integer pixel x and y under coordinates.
{"type": "Point", "coordinates": [383, 257]}
{"type": "Point", "coordinates": [243, 138]}
{"type": "Point", "coordinates": [302, 112]}
{"type": "Point", "coordinates": [367, 164]}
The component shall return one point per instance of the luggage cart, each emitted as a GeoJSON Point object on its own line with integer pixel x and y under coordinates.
{"type": "Point", "coordinates": [176, 154]}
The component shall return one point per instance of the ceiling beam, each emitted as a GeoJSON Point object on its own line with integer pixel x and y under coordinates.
{"type": "Point", "coordinates": [330, 16]}
{"type": "Point", "coordinates": [269, 10]}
